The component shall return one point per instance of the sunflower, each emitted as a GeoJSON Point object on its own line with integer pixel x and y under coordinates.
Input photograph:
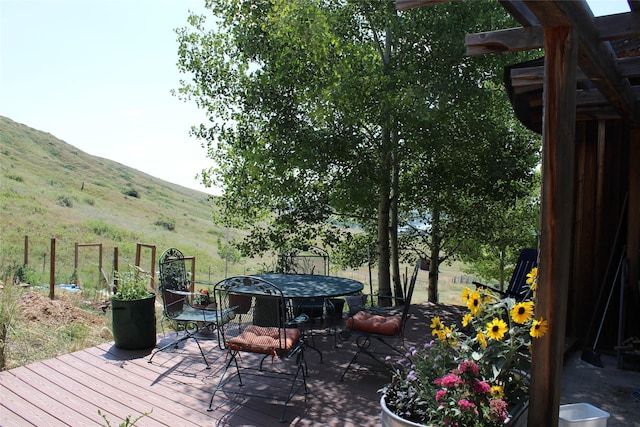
{"type": "Point", "coordinates": [497, 392]}
{"type": "Point", "coordinates": [532, 276]}
{"type": "Point", "coordinates": [441, 334]}
{"type": "Point", "coordinates": [496, 329]}
{"type": "Point", "coordinates": [466, 319]}
{"type": "Point", "coordinates": [473, 303]}
{"type": "Point", "coordinates": [466, 292]}
{"type": "Point", "coordinates": [481, 339]}
{"type": "Point", "coordinates": [436, 323]}
{"type": "Point", "coordinates": [539, 328]}
{"type": "Point", "coordinates": [522, 312]}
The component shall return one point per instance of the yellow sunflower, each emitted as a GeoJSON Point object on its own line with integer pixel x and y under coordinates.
{"type": "Point", "coordinates": [440, 334]}
{"type": "Point", "coordinates": [481, 339]}
{"type": "Point", "coordinates": [465, 294]}
{"type": "Point", "coordinates": [496, 329]}
{"type": "Point", "coordinates": [522, 312]}
{"type": "Point", "coordinates": [466, 319]}
{"type": "Point", "coordinates": [532, 276]}
{"type": "Point", "coordinates": [497, 392]}
{"type": "Point", "coordinates": [473, 303]}
{"type": "Point", "coordinates": [539, 328]}
{"type": "Point", "coordinates": [436, 323]}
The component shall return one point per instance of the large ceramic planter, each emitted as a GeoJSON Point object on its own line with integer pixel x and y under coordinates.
{"type": "Point", "coordinates": [134, 323]}
{"type": "Point", "coordinates": [389, 419]}
{"type": "Point", "coordinates": [517, 417]}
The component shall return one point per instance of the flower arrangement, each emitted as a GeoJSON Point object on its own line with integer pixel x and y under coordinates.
{"type": "Point", "coordinates": [202, 298]}
{"type": "Point", "coordinates": [473, 375]}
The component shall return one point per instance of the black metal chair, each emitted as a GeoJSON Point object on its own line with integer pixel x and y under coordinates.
{"type": "Point", "coordinates": [380, 323]}
{"type": "Point", "coordinates": [262, 326]}
{"type": "Point", "coordinates": [306, 259]}
{"type": "Point", "coordinates": [517, 288]}
{"type": "Point", "coordinates": [309, 259]}
{"type": "Point", "coordinates": [178, 298]}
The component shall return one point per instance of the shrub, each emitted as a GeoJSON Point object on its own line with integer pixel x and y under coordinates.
{"type": "Point", "coordinates": [16, 178]}
{"type": "Point", "coordinates": [132, 192]}
{"type": "Point", "coordinates": [65, 201]}
{"type": "Point", "coordinates": [169, 224]}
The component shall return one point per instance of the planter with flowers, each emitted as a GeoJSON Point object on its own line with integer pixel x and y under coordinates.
{"type": "Point", "coordinates": [202, 299]}
{"type": "Point", "coordinates": [476, 376]}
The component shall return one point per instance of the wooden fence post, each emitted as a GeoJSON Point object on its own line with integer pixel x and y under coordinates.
{"type": "Point", "coordinates": [52, 269]}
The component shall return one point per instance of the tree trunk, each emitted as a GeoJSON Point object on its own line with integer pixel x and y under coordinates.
{"type": "Point", "coordinates": [384, 202]}
{"type": "Point", "coordinates": [384, 283]}
{"type": "Point", "coordinates": [395, 253]}
{"type": "Point", "coordinates": [435, 257]}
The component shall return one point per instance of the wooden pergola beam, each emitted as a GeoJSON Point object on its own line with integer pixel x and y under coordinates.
{"type": "Point", "coordinates": [610, 27]}
{"type": "Point", "coordinates": [597, 59]}
{"type": "Point", "coordinates": [556, 234]}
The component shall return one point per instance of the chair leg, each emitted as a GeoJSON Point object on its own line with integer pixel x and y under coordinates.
{"type": "Point", "coordinates": [292, 390]}
{"type": "Point", "coordinates": [364, 342]}
{"type": "Point", "coordinates": [222, 381]}
{"type": "Point", "coordinates": [175, 343]}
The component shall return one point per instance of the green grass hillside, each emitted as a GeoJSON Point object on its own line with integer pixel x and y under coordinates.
{"type": "Point", "coordinates": [50, 189]}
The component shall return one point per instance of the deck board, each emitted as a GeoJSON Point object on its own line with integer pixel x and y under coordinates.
{"type": "Point", "coordinates": [69, 390]}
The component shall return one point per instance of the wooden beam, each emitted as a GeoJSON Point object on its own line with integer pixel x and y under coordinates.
{"type": "Point", "coordinates": [558, 153]}
{"type": "Point", "coordinates": [595, 58]}
{"type": "Point", "coordinates": [511, 40]}
{"type": "Point", "coordinates": [520, 12]}
{"type": "Point", "coordinates": [628, 67]}
{"type": "Point", "coordinates": [610, 27]}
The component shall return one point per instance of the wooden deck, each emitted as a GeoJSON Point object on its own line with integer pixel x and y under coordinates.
{"type": "Point", "coordinates": [175, 389]}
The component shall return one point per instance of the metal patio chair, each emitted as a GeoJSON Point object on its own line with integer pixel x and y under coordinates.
{"type": "Point", "coordinates": [176, 290]}
{"type": "Point", "coordinates": [263, 326]}
{"type": "Point", "coordinates": [381, 324]}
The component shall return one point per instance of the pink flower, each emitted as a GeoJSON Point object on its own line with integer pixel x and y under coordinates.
{"type": "Point", "coordinates": [448, 381]}
{"type": "Point", "coordinates": [481, 387]}
{"type": "Point", "coordinates": [465, 405]}
{"type": "Point", "coordinates": [469, 366]}
{"type": "Point", "coordinates": [440, 394]}
{"type": "Point", "coordinates": [498, 409]}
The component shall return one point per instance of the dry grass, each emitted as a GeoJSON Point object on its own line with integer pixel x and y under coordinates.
{"type": "Point", "coordinates": [45, 328]}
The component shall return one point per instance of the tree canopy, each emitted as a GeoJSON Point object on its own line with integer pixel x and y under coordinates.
{"type": "Point", "coordinates": [337, 122]}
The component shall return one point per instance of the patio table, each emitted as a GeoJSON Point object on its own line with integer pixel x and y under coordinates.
{"type": "Point", "coordinates": [311, 285]}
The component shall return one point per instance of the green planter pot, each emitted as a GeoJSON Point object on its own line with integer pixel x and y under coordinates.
{"type": "Point", "coordinates": [134, 323]}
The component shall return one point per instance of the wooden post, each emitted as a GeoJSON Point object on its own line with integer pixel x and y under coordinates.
{"type": "Point", "coordinates": [77, 262]}
{"type": "Point", "coordinates": [52, 269]}
{"type": "Point", "coordinates": [558, 158]}
{"type": "Point", "coordinates": [75, 265]}
{"type": "Point", "coordinates": [193, 271]}
{"type": "Point", "coordinates": [633, 231]}
{"type": "Point", "coordinates": [115, 268]}
{"type": "Point", "coordinates": [26, 250]}
{"type": "Point", "coordinates": [152, 271]}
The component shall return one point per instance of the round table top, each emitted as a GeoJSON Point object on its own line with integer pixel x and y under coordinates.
{"type": "Point", "coordinates": [312, 285]}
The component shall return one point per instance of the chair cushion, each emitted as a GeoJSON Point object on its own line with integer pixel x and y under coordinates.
{"type": "Point", "coordinates": [265, 340]}
{"type": "Point", "coordinates": [374, 324]}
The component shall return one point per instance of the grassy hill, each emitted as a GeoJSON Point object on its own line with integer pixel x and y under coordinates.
{"type": "Point", "coordinates": [50, 189]}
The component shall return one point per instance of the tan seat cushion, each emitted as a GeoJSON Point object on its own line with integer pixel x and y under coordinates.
{"type": "Point", "coordinates": [374, 324]}
{"type": "Point", "coordinates": [265, 340]}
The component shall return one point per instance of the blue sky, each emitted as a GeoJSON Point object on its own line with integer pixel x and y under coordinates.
{"type": "Point", "coordinates": [97, 74]}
